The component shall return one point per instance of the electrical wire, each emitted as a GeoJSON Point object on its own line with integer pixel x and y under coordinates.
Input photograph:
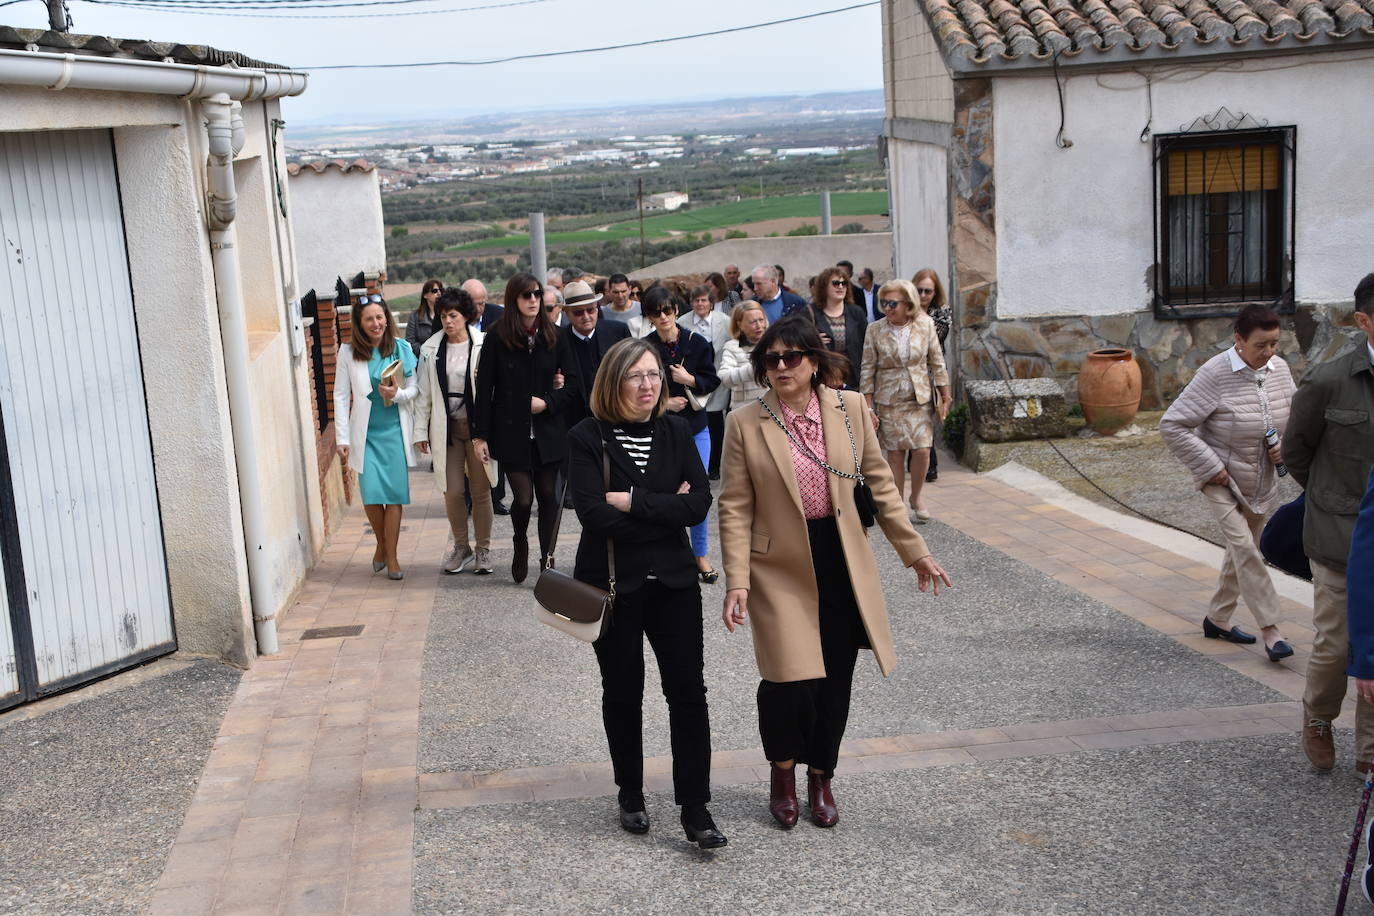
{"type": "Point", "coordinates": [212, 10]}
{"type": "Point", "coordinates": [546, 54]}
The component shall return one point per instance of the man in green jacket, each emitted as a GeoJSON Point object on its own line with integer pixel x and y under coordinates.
{"type": "Point", "coordinates": [1329, 448]}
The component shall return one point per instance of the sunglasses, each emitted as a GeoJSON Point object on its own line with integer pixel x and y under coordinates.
{"type": "Point", "coordinates": [364, 300]}
{"type": "Point", "coordinates": [891, 303]}
{"type": "Point", "coordinates": [578, 313]}
{"type": "Point", "coordinates": [790, 359]}
{"type": "Point", "coordinates": [532, 294]}
{"type": "Point", "coordinates": [925, 292]}
{"type": "Point", "coordinates": [839, 283]}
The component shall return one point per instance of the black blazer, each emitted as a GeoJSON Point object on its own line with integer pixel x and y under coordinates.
{"type": "Point", "coordinates": [855, 327]}
{"type": "Point", "coordinates": [491, 314]}
{"type": "Point", "coordinates": [698, 357]}
{"type": "Point", "coordinates": [606, 334]}
{"type": "Point", "coordinates": [506, 380]}
{"type": "Point", "coordinates": [652, 536]}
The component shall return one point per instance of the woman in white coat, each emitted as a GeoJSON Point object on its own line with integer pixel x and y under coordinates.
{"type": "Point", "coordinates": [448, 373]}
{"type": "Point", "coordinates": [374, 385]}
{"type": "Point", "coordinates": [747, 323]}
{"type": "Point", "coordinates": [707, 321]}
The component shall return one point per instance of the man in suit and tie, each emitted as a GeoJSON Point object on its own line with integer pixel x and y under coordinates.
{"type": "Point", "coordinates": [486, 314]}
{"type": "Point", "coordinates": [866, 295]}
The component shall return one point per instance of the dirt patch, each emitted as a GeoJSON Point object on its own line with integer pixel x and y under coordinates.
{"type": "Point", "coordinates": [782, 226]}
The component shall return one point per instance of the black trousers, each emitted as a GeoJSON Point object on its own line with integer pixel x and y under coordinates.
{"type": "Point", "coordinates": [715, 423]}
{"type": "Point", "coordinates": [805, 720]}
{"type": "Point", "coordinates": [671, 619]}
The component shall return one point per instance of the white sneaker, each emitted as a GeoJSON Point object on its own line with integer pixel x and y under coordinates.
{"type": "Point", "coordinates": [483, 567]}
{"type": "Point", "coordinates": [457, 559]}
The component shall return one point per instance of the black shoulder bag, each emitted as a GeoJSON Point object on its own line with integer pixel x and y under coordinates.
{"type": "Point", "coordinates": [567, 604]}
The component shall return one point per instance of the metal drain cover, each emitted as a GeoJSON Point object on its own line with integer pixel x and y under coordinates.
{"type": "Point", "coordinates": [333, 632]}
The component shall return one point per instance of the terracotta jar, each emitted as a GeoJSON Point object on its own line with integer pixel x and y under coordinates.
{"type": "Point", "coordinates": [1109, 389]}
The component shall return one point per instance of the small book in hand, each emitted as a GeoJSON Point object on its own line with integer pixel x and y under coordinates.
{"type": "Point", "coordinates": [392, 374]}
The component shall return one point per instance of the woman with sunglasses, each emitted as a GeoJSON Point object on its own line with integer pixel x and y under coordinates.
{"type": "Point", "coordinates": [798, 561]}
{"type": "Point", "coordinates": [515, 413]}
{"type": "Point", "coordinates": [903, 377]}
{"type": "Point", "coordinates": [840, 321]}
{"type": "Point", "coordinates": [373, 423]}
{"type": "Point", "coordinates": [932, 295]}
{"type": "Point", "coordinates": [424, 321]}
{"type": "Point", "coordinates": [691, 364]}
{"type": "Point", "coordinates": [657, 487]}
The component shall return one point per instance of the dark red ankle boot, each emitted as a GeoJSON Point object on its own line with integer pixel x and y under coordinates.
{"type": "Point", "coordinates": [782, 802]}
{"type": "Point", "coordinates": [823, 811]}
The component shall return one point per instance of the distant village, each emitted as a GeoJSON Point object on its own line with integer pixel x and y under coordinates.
{"type": "Point", "coordinates": [407, 166]}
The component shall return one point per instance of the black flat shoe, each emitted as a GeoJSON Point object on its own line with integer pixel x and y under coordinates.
{"type": "Point", "coordinates": [633, 817]}
{"type": "Point", "coordinates": [1235, 634]}
{"type": "Point", "coordinates": [932, 476]}
{"type": "Point", "coordinates": [499, 508]}
{"type": "Point", "coordinates": [700, 829]}
{"type": "Point", "coordinates": [1278, 651]}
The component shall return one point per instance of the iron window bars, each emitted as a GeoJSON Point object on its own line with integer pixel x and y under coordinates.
{"type": "Point", "coordinates": [1224, 221]}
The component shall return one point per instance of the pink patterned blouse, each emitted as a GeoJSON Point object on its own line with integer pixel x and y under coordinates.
{"type": "Point", "coordinates": [812, 479]}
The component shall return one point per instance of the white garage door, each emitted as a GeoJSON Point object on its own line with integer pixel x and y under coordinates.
{"type": "Point", "coordinates": [80, 465]}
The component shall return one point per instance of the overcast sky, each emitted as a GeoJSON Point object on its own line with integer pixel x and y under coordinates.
{"type": "Point", "coordinates": [830, 53]}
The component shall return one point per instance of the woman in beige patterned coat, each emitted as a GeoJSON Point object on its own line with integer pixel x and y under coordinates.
{"type": "Point", "coordinates": [903, 377]}
{"type": "Point", "coordinates": [1217, 427]}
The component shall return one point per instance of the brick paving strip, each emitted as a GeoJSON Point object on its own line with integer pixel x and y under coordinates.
{"type": "Point", "coordinates": [876, 755]}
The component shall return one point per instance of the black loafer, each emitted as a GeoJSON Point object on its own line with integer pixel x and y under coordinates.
{"type": "Point", "coordinates": [1278, 651]}
{"type": "Point", "coordinates": [635, 821]}
{"type": "Point", "coordinates": [700, 829]}
{"type": "Point", "coordinates": [1235, 634]}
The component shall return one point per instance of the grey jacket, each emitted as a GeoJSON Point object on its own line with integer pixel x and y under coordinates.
{"type": "Point", "coordinates": [1329, 449]}
{"type": "Point", "coordinates": [1218, 422]}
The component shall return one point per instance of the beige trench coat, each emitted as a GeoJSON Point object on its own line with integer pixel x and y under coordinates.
{"type": "Point", "coordinates": [765, 545]}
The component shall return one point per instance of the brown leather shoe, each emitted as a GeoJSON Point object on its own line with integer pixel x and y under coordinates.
{"type": "Point", "coordinates": [1318, 744]}
{"type": "Point", "coordinates": [823, 811]}
{"type": "Point", "coordinates": [782, 800]}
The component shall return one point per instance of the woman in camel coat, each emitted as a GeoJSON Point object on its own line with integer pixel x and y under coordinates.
{"type": "Point", "coordinates": [798, 559]}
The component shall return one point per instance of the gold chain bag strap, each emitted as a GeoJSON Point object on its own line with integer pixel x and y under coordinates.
{"type": "Point", "coordinates": [581, 610]}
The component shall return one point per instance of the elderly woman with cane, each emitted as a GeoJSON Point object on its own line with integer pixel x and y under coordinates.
{"type": "Point", "coordinates": [804, 476]}
{"type": "Point", "coordinates": [1226, 427]}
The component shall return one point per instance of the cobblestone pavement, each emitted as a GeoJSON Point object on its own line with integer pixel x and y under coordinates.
{"type": "Point", "coordinates": [1058, 738]}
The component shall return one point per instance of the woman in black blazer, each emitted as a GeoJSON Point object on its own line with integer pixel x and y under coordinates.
{"type": "Point", "coordinates": [658, 487]}
{"type": "Point", "coordinates": [691, 363]}
{"type": "Point", "coordinates": [516, 413]}
{"type": "Point", "coordinates": [842, 323]}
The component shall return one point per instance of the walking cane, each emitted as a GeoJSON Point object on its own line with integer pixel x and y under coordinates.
{"type": "Point", "coordinates": [1355, 839]}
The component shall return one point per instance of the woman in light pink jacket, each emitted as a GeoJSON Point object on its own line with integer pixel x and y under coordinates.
{"type": "Point", "coordinates": [1217, 428]}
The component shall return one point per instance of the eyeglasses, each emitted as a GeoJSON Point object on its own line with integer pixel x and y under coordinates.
{"type": "Point", "coordinates": [436, 291]}
{"type": "Point", "coordinates": [892, 303]}
{"type": "Point", "coordinates": [840, 284]}
{"type": "Point", "coordinates": [925, 292]}
{"type": "Point", "coordinates": [660, 313]}
{"type": "Point", "coordinates": [644, 378]}
{"type": "Point", "coordinates": [535, 293]}
{"type": "Point", "coordinates": [791, 359]}
{"type": "Point", "coordinates": [579, 313]}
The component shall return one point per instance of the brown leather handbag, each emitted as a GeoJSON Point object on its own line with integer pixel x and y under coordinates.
{"type": "Point", "coordinates": [564, 603]}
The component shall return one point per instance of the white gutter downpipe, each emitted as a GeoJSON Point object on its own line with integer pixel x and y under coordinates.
{"type": "Point", "coordinates": [225, 132]}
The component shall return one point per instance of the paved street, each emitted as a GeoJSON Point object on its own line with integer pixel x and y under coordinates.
{"type": "Point", "coordinates": [1057, 738]}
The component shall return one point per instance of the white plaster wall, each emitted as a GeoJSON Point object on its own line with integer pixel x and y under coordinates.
{"type": "Point", "coordinates": [918, 186]}
{"type": "Point", "coordinates": [1074, 226]}
{"type": "Point", "coordinates": [337, 220]}
{"type": "Point", "coordinates": [160, 152]}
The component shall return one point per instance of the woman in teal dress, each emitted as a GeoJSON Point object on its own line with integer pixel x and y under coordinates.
{"type": "Point", "coordinates": [373, 436]}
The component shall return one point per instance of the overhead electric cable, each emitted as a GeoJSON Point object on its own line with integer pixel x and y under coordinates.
{"type": "Point", "coordinates": [227, 9]}
{"type": "Point", "coordinates": [546, 54]}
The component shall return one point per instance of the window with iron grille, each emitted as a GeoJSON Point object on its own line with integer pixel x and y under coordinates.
{"type": "Point", "coordinates": [1224, 222]}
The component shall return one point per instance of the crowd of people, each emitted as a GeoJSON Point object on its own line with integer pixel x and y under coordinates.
{"type": "Point", "coordinates": [626, 402]}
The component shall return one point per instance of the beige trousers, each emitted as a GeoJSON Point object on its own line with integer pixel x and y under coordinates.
{"type": "Point", "coordinates": [1326, 678]}
{"type": "Point", "coordinates": [460, 457]}
{"type": "Point", "coordinates": [1243, 573]}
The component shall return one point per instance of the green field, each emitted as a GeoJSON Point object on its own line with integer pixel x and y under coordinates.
{"type": "Point", "coordinates": [855, 203]}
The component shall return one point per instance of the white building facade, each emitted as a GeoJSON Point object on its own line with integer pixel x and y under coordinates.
{"type": "Point", "coordinates": [337, 219]}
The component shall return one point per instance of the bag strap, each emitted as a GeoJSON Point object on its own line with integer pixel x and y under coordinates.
{"type": "Point", "coordinates": [853, 448]}
{"type": "Point", "coordinates": [558, 517]}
